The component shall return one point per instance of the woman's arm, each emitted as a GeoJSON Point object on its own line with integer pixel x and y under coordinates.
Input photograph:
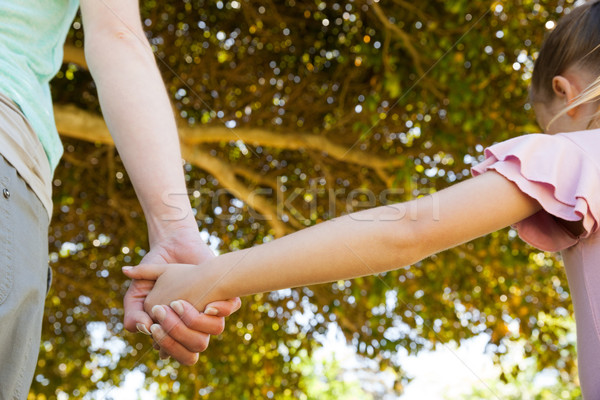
{"type": "Point", "coordinates": [363, 243]}
{"type": "Point", "coordinates": [137, 110]}
{"type": "Point", "coordinates": [139, 116]}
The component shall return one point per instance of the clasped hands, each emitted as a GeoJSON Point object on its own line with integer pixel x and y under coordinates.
{"type": "Point", "coordinates": [179, 330]}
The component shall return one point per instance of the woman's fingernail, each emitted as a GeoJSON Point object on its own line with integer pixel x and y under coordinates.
{"type": "Point", "coordinates": [211, 311]}
{"type": "Point", "coordinates": [156, 346]}
{"type": "Point", "coordinates": [142, 329]}
{"type": "Point", "coordinates": [126, 268]}
{"type": "Point", "coordinates": [163, 355]}
{"type": "Point", "coordinates": [159, 313]}
{"type": "Point", "coordinates": [177, 306]}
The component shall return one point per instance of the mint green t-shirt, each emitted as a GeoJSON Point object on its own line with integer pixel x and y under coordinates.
{"type": "Point", "coordinates": [32, 35]}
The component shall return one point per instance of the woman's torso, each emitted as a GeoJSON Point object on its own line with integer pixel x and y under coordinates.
{"type": "Point", "coordinates": [32, 35]}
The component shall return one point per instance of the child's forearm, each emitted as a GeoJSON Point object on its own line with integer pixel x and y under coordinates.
{"type": "Point", "coordinates": [376, 240]}
{"type": "Point", "coordinates": [361, 244]}
{"type": "Point", "coordinates": [364, 243]}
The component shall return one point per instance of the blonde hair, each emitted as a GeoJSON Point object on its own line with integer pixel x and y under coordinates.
{"type": "Point", "coordinates": [575, 42]}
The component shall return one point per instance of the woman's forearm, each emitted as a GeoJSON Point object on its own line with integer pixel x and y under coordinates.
{"type": "Point", "coordinates": [139, 116]}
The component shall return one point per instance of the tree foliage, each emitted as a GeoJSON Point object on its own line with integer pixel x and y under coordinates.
{"type": "Point", "coordinates": [314, 105]}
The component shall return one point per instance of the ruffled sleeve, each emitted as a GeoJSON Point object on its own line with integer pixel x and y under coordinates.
{"type": "Point", "coordinates": [560, 174]}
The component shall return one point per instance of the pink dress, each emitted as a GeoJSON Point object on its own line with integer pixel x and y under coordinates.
{"type": "Point", "coordinates": [562, 172]}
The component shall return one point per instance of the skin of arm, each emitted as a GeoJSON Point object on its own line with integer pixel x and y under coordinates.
{"type": "Point", "coordinates": [364, 243]}
{"type": "Point", "coordinates": [139, 116]}
{"type": "Point", "coordinates": [137, 111]}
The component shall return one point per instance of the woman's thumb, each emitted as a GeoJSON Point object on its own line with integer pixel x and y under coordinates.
{"type": "Point", "coordinates": [150, 272]}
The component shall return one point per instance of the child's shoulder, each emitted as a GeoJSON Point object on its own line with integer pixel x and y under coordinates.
{"type": "Point", "coordinates": [588, 141]}
{"type": "Point", "coordinates": [561, 172]}
{"type": "Point", "coordinates": [590, 136]}
{"type": "Point", "coordinates": [569, 144]}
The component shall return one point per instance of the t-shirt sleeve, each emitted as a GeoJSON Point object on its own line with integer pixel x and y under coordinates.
{"type": "Point", "coordinates": [560, 175]}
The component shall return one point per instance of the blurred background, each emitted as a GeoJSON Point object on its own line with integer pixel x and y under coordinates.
{"type": "Point", "coordinates": [293, 112]}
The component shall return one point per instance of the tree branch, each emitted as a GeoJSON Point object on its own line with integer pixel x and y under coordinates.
{"type": "Point", "coordinates": [254, 177]}
{"type": "Point", "coordinates": [75, 55]}
{"type": "Point", "coordinates": [288, 141]}
{"type": "Point", "coordinates": [405, 37]}
{"type": "Point", "coordinates": [75, 123]}
{"type": "Point", "coordinates": [217, 134]}
{"type": "Point", "coordinates": [83, 125]}
{"type": "Point", "coordinates": [223, 172]}
{"type": "Point", "coordinates": [407, 40]}
{"type": "Point", "coordinates": [411, 7]}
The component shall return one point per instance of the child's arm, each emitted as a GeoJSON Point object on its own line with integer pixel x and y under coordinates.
{"type": "Point", "coordinates": [363, 243]}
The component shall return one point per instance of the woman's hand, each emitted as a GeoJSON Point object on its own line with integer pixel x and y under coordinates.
{"type": "Point", "coordinates": [182, 245]}
{"type": "Point", "coordinates": [180, 336]}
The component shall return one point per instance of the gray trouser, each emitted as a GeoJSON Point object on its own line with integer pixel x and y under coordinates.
{"type": "Point", "coordinates": [23, 281]}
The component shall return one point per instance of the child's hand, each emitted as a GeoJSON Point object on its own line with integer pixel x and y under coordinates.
{"type": "Point", "coordinates": [192, 283]}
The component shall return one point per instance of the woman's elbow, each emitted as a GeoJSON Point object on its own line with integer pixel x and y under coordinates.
{"type": "Point", "coordinates": [115, 42]}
